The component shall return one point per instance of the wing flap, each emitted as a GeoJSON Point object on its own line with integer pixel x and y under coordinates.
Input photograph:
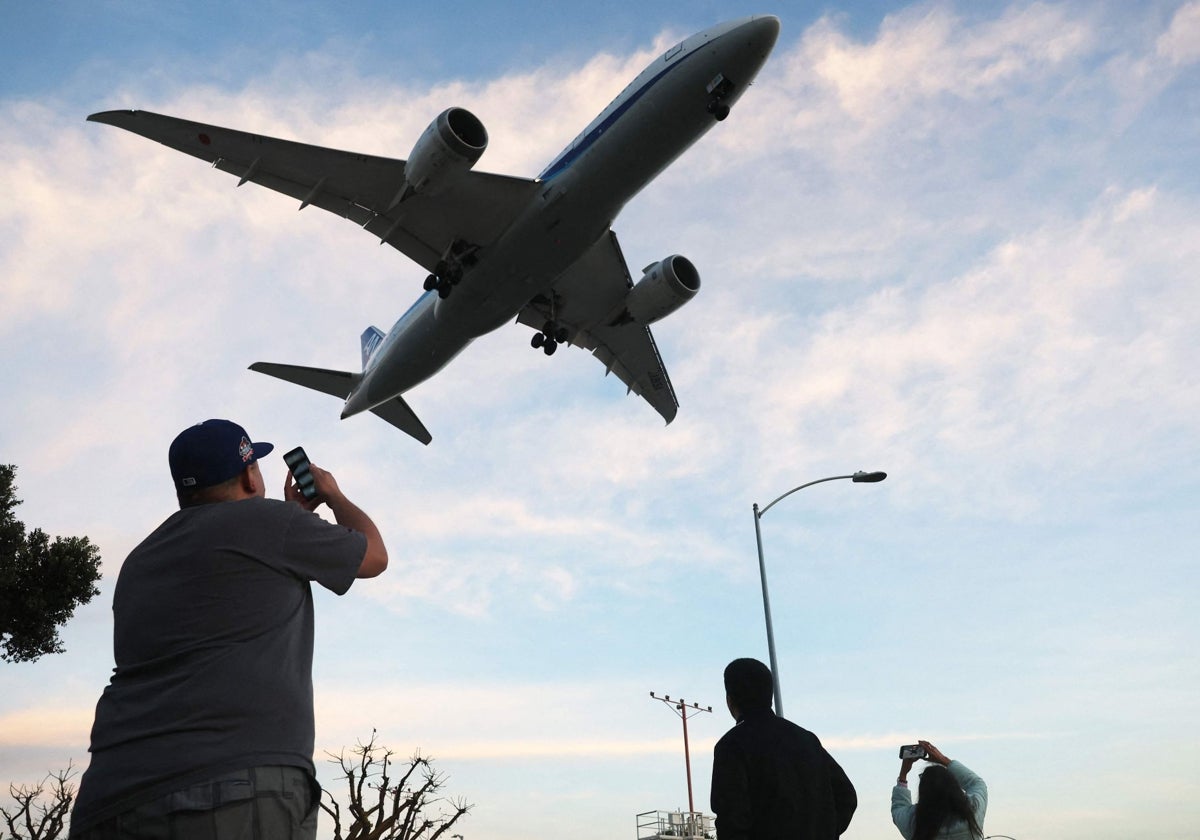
{"type": "Point", "coordinates": [583, 296]}
{"type": "Point", "coordinates": [359, 187]}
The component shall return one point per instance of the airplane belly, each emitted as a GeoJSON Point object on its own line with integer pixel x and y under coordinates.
{"type": "Point", "coordinates": [418, 347]}
{"type": "Point", "coordinates": [524, 263]}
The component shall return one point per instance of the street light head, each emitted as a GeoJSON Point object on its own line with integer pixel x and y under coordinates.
{"type": "Point", "coordinates": [861, 477]}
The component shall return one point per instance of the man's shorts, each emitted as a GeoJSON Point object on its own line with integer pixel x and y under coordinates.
{"type": "Point", "coordinates": [261, 803]}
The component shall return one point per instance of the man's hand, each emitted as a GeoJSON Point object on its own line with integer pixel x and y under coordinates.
{"type": "Point", "coordinates": [345, 512]}
{"type": "Point", "coordinates": [324, 483]}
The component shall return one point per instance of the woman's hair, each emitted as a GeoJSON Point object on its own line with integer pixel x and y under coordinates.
{"type": "Point", "coordinates": [939, 800]}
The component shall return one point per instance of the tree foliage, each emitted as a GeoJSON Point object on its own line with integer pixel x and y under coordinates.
{"type": "Point", "coordinates": [387, 806]}
{"type": "Point", "coordinates": [41, 582]}
{"type": "Point", "coordinates": [31, 817]}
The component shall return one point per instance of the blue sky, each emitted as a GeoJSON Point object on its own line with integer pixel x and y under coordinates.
{"type": "Point", "coordinates": [955, 242]}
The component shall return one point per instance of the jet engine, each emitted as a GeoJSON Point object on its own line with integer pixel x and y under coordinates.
{"type": "Point", "coordinates": [447, 148]}
{"type": "Point", "coordinates": [665, 286]}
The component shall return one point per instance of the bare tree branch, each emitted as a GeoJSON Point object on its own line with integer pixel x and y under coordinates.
{"type": "Point", "coordinates": [385, 810]}
{"type": "Point", "coordinates": [33, 819]}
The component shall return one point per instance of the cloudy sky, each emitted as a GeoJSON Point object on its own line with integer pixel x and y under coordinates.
{"type": "Point", "coordinates": [954, 241]}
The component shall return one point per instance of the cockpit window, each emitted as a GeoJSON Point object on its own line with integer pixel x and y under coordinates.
{"type": "Point", "coordinates": [674, 51]}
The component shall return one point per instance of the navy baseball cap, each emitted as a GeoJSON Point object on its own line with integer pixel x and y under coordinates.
{"type": "Point", "coordinates": [212, 452]}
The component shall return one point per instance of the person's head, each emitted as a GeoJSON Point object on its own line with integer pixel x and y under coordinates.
{"type": "Point", "coordinates": [215, 461]}
{"type": "Point", "coordinates": [748, 687]}
{"type": "Point", "coordinates": [940, 799]}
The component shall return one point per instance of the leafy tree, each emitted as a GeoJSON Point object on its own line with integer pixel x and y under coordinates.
{"type": "Point", "coordinates": [33, 819]}
{"type": "Point", "coordinates": [383, 809]}
{"type": "Point", "coordinates": [41, 582]}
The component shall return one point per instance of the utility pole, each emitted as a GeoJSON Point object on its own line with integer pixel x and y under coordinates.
{"type": "Point", "coordinates": [681, 708]}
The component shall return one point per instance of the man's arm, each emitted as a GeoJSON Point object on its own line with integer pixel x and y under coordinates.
{"type": "Point", "coordinates": [375, 560]}
{"type": "Point", "coordinates": [845, 798]}
{"type": "Point", "coordinates": [730, 795]}
{"type": "Point", "coordinates": [347, 514]}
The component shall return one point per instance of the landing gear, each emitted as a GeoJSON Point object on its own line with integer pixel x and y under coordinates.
{"type": "Point", "coordinates": [549, 338]}
{"type": "Point", "coordinates": [448, 272]}
{"type": "Point", "coordinates": [718, 90]}
{"type": "Point", "coordinates": [443, 284]}
{"type": "Point", "coordinates": [718, 109]}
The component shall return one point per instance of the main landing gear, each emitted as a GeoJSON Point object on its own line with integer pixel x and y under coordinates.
{"type": "Point", "coordinates": [549, 338]}
{"type": "Point", "coordinates": [444, 278]}
{"type": "Point", "coordinates": [449, 270]}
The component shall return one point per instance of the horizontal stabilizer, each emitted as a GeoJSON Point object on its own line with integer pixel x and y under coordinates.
{"type": "Point", "coordinates": [397, 412]}
{"type": "Point", "coordinates": [340, 383]}
{"type": "Point", "coordinates": [336, 383]}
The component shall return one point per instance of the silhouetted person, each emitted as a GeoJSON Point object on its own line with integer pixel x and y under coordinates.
{"type": "Point", "coordinates": [951, 800]}
{"type": "Point", "coordinates": [206, 728]}
{"type": "Point", "coordinates": [772, 780]}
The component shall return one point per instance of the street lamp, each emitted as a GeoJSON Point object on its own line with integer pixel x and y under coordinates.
{"type": "Point", "coordinates": [859, 477]}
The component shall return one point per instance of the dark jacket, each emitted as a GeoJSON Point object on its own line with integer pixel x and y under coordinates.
{"type": "Point", "coordinates": [772, 780]}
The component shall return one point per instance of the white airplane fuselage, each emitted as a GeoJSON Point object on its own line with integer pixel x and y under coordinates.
{"type": "Point", "coordinates": [654, 120]}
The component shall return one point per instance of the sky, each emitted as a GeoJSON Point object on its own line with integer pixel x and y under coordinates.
{"type": "Point", "coordinates": [957, 242]}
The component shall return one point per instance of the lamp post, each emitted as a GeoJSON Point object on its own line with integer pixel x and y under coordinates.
{"type": "Point", "coordinates": [859, 477]}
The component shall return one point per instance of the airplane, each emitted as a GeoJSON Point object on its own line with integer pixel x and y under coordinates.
{"type": "Point", "coordinates": [497, 248]}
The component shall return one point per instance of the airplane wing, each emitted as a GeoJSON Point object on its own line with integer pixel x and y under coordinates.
{"type": "Point", "coordinates": [586, 296]}
{"type": "Point", "coordinates": [478, 208]}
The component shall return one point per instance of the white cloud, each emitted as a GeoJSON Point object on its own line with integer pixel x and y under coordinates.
{"type": "Point", "coordinates": [1180, 44]}
{"type": "Point", "coordinates": [937, 251]}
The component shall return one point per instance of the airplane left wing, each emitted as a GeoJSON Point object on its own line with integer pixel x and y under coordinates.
{"type": "Point", "coordinates": [362, 188]}
{"type": "Point", "coordinates": [584, 296]}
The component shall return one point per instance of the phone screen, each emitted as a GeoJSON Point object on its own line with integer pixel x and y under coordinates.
{"type": "Point", "coordinates": [297, 464]}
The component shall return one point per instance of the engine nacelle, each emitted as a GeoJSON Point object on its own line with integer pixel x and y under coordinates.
{"type": "Point", "coordinates": [665, 286]}
{"type": "Point", "coordinates": [446, 149]}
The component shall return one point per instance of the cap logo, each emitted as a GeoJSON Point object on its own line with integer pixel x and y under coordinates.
{"type": "Point", "coordinates": [246, 450]}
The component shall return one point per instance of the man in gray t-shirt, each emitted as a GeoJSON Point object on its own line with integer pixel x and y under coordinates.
{"type": "Point", "coordinates": [207, 723]}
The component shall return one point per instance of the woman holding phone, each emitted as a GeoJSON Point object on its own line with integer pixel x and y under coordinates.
{"type": "Point", "coordinates": [951, 800]}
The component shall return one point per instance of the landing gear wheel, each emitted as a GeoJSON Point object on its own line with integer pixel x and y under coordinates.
{"type": "Point", "coordinates": [560, 335]}
{"type": "Point", "coordinates": [549, 347]}
{"type": "Point", "coordinates": [443, 289]}
{"type": "Point", "coordinates": [431, 282]}
{"type": "Point", "coordinates": [718, 109]}
{"type": "Point", "coordinates": [537, 340]}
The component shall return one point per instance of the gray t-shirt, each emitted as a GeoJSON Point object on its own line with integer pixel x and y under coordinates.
{"type": "Point", "coordinates": [213, 642]}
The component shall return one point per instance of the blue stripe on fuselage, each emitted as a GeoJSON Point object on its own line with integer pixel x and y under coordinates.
{"type": "Point", "coordinates": [574, 152]}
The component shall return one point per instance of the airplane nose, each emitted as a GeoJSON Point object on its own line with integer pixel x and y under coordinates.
{"type": "Point", "coordinates": [764, 31]}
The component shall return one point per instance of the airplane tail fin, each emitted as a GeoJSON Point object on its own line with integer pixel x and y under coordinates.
{"type": "Point", "coordinates": [372, 337]}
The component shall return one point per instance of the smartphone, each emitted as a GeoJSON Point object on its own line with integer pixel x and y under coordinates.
{"type": "Point", "coordinates": [912, 751]}
{"type": "Point", "coordinates": [297, 464]}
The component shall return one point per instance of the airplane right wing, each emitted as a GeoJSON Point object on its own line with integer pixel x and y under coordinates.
{"type": "Point", "coordinates": [362, 188]}
{"type": "Point", "coordinates": [585, 296]}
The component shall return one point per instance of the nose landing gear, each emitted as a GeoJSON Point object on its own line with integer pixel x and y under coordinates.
{"type": "Point", "coordinates": [718, 90]}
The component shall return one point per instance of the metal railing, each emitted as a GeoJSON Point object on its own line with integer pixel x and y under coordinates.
{"type": "Point", "coordinates": [675, 825]}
